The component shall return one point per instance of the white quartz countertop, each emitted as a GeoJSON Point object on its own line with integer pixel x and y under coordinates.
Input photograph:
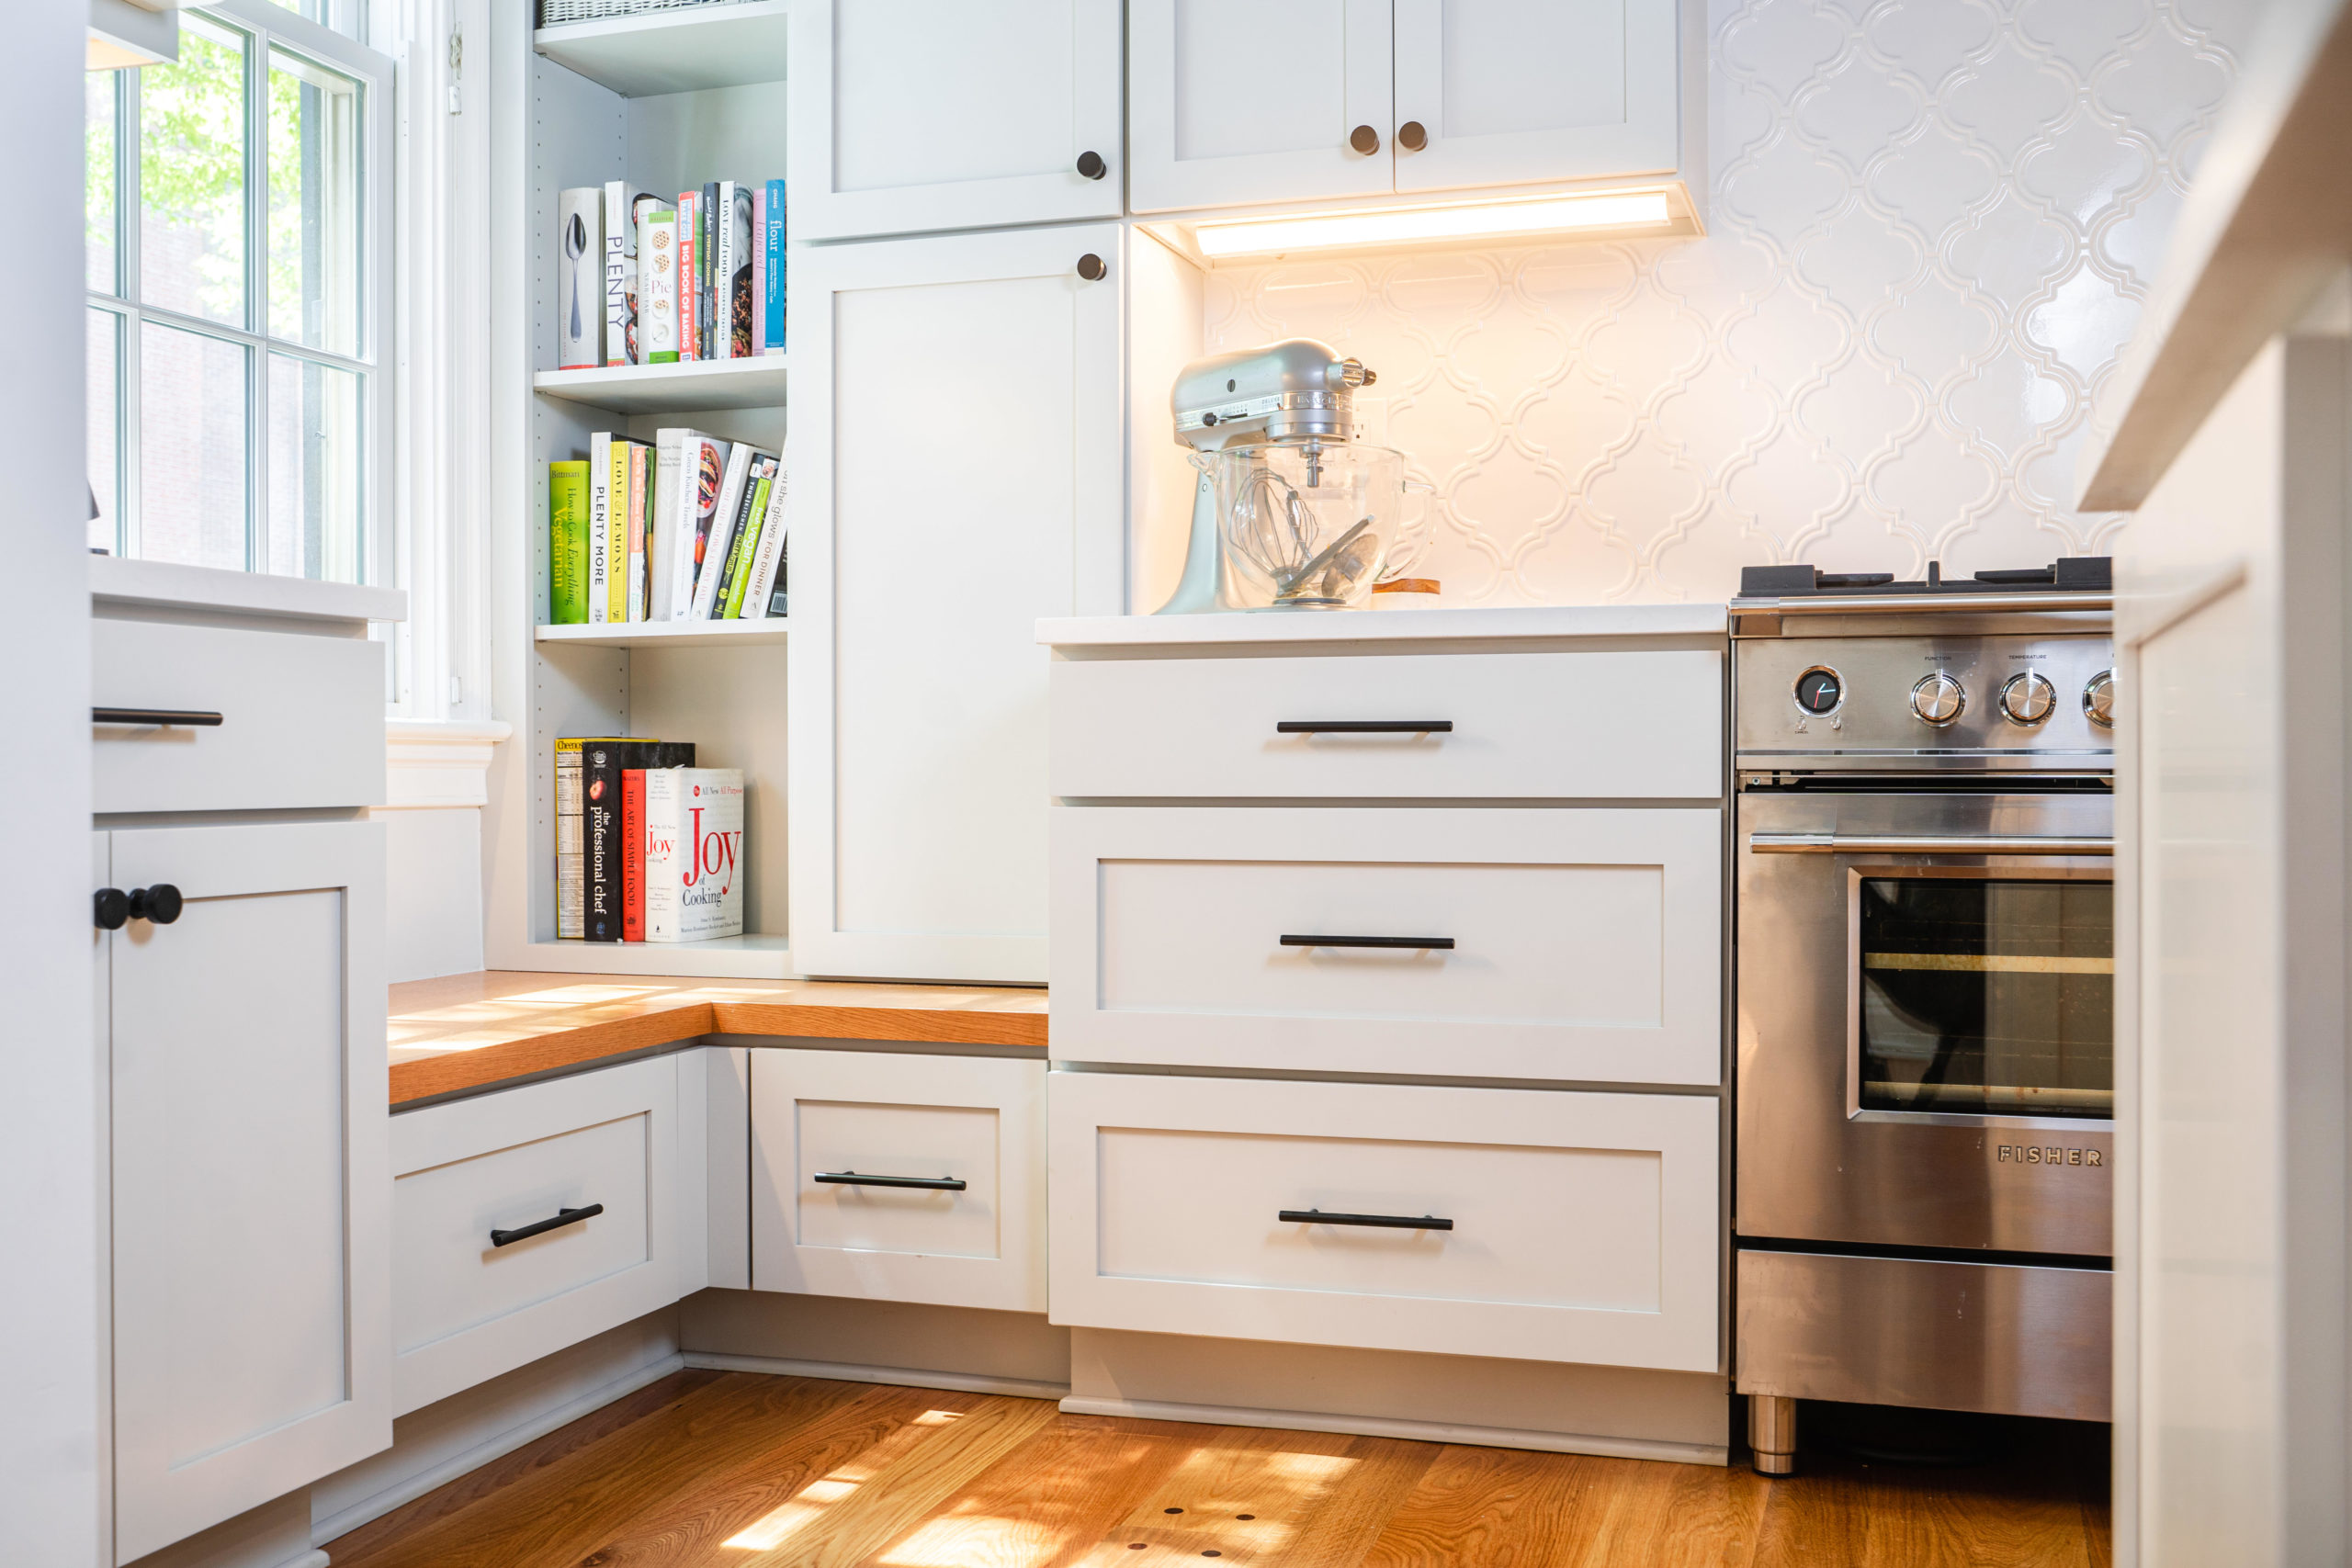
{"type": "Point", "coordinates": [1289, 628]}
{"type": "Point", "coordinates": [161, 584]}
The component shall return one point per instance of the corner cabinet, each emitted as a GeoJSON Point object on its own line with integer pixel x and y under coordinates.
{"type": "Point", "coordinates": [911, 116]}
{"type": "Point", "coordinates": [958, 475]}
{"type": "Point", "coordinates": [252, 1353]}
{"type": "Point", "coordinates": [1232, 103]}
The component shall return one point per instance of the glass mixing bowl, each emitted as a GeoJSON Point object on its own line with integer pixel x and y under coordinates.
{"type": "Point", "coordinates": [1310, 524]}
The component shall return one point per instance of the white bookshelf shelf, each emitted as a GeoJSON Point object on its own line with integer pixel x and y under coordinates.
{"type": "Point", "coordinates": [751, 957]}
{"type": "Point", "coordinates": [755, 383]}
{"type": "Point", "coordinates": [673, 634]}
{"type": "Point", "coordinates": [676, 52]}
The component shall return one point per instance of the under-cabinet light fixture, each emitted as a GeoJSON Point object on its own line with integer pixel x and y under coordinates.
{"type": "Point", "coordinates": [1399, 226]}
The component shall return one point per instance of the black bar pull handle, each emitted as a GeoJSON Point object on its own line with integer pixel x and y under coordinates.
{"type": "Point", "coordinates": [1442, 943]}
{"type": "Point", "coordinates": [561, 1218]}
{"type": "Point", "coordinates": [852, 1178]}
{"type": "Point", "coordinates": [1364, 726]}
{"type": "Point", "coordinates": [1378, 1222]}
{"type": "Point", "coordinates": [193, 716]}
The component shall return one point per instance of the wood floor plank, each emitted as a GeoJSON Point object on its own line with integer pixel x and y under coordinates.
{"type": "Point", "coordinates": [858, 1509]}
{"type": "Point", "coordinates": [1490, 1508]}
{"type": "Point", "coordinates": [1896, 1516]}
{"type": "Point", "coordinates": [555, 1516]}
{"type": "Point", "coordinates": [484, 1484]}
{"type": "Point", "coordinates": [1043, 1504]}
{"type": "Point", "coordinates": [1359, 1508]}
{"type": "Point", "coordinates": [693, 1527]}
{"type": "Point", "coordinates": [1655, 1515]}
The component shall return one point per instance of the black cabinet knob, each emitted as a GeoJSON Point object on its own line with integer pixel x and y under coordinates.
{"type": "Point", "coordinates": [1412, 136]}
{"type": "Point", "coordinates": [160, 904]}
{"type": "Point", "coordinates": [1092, 165]}
{"type": "Point", "coordinates": [1091, 267]}
{"type": "Point", "coordinates": [1365, 140]}
{"type": "Point", "coordinates": [109, 909]}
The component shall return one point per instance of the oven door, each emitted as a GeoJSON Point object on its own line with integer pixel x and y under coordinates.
{"type": "Point", "coordinates": [1926, 1018]}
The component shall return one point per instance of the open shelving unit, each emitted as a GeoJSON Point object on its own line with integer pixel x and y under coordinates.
{"type": "Point", "coordinates": [696, 387]}
{"type": "Point", "coordinates": [666, 101]}
{"type": "Point", "coordinates": [669, 634]}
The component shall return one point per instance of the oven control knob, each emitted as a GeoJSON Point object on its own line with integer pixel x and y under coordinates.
{"type": "Point", "coordinates": [2099, 699]}
{"type": "Point", "coordinates": [2027, 698]}
{"type": "Point", "coordinates": [1939, 699]}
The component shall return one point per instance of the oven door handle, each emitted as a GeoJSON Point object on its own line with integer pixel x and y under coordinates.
{"type": "Point", "coordinates": [1917, 844]}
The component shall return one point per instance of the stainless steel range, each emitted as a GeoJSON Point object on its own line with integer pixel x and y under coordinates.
{"type": "Point", "coordinates": [1925, 993]}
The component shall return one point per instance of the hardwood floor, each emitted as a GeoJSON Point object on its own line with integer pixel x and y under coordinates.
{"type": "Point", "coordinates": [750, 1472]}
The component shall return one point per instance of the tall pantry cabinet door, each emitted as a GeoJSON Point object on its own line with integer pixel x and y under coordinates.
{"type": "Point", "coordinates": [916, 115]}
{"type": "Point", "coordinates": [958, 475]}
{"type": "Point", "coordinates": [252, 1177]}
{"type": "Point", "coordinates": [1517, 91]}
{"type": "Point", "coordinates": [1236, 101]}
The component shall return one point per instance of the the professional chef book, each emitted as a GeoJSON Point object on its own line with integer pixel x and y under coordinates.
{"type": "Point", "coordinates": [600, 761]}
{"type": "Point", "coordinates": [693, 878]}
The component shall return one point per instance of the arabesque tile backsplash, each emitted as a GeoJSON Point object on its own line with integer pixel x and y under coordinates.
{"type": "Point", "coordinates": [1931, 228]}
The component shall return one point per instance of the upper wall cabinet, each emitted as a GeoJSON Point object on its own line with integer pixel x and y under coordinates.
{"type": "Point", "coordinates": [1233, 103]}
{"type": "Point", "coordinates": [910, 116]}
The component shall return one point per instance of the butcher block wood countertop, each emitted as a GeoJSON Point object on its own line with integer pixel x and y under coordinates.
{"type": "Point", "coordinates": [468, 1031]}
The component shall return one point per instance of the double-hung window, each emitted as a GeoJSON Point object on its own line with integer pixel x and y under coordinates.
{"type": "Point", "coordinates": [238, 234]}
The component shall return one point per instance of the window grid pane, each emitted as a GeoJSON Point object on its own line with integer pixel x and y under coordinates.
{"type": "Point", "coordinates": [98, 204]}
{"type": "Point", "coordinates": [313, 272]}
{"type": "Point", "coordinates": [192, 176]}
{"type": "Point", "coordinates": [316, 453]}
{"type": "Point", "coordinates": [103, 390]}
{"type": "Point", "coordinates": [193, 391]}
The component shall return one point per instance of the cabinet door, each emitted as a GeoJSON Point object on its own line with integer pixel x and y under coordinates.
{"type": "Point", "coordinates": [1516, 91]}
{"type": "Point", "coordinates": [1237, 101]}
{"type": "Point", "coordinates": [957, 476]}
{"type": "Point", "coordinates": [840, 1140]}
{"type": "Point", "coordinates": [915, 115]}
{"type": "Point", "coordinates": [252, 1345]}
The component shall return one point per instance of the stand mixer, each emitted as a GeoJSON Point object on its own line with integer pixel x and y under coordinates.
{"type": "Point", "coordinates": [1292, 510]}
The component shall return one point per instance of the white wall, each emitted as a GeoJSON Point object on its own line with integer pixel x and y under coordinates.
{"type": "Point", "coordinates": [1930, 229]}
{"type": "Point", "coordinates": [432, 892]}
{"type": "Point", "coordinates": [51, 1499]}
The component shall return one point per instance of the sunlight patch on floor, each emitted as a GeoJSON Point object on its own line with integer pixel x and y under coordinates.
{"type": "Point", "coordinates": [780, 1524]}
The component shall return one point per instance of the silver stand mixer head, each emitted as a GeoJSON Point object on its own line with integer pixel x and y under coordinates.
{"type": "Point", "coordinates": [1296, 392]}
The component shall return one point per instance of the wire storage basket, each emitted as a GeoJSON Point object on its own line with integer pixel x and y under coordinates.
{"type": "Point", "coordinates": [555, 13]}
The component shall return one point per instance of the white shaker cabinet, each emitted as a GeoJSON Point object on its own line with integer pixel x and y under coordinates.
{"type": "Point", "coordinates": [1508, 92]}
{"type": "Point", "coordinates": [958, 475]}
{"type": "Point", "coordinates": [252, 1353]}
{"type": "Point", "coordinates": [1236, 101]}
{"type": "Point", "coordinates": [910, 115]}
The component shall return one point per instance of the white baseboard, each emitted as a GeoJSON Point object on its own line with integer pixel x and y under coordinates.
{"type": "Point", "coordinates": [1420, 1431]}
{"type": "Point", "coordinates": [905, 1377]}
{"type": "Point", "coordinates": [409, 1488]}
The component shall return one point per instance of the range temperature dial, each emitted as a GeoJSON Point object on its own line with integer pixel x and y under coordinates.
{"type": "Point", "coordinates": [1819, 691]}
{"type": "Point", "coordinates": [2027, 698]}
{"type": "Point", "coordinates": [2099, 699]}
{"type": "Point", "coordinates": [1939, 699]}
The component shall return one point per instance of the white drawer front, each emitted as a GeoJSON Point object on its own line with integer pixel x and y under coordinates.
{"type": "Point", "coordinates": [1583, 1227]}
{"type": "Point", "coordinates": [1624, 725]}
{"type": "Point", "coordinates": [1586, 944]}
{"type": "Point", "coordinates": [465, 1308]}
{"type": "Point", "coordinates": [302, 718]}
{"type": "Point", "coordinates": [834, 1133]}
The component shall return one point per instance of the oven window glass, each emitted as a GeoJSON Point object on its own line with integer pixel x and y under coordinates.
{"type": "Point", "coordinates": [1987, 995]}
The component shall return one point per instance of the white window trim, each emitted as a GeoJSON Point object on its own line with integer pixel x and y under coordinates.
{"type": "Point", "coordinates": [441, 126]}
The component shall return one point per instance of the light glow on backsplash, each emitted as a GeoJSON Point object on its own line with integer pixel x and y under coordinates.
{"type": "Point", "coordinates": [1931, 226]}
